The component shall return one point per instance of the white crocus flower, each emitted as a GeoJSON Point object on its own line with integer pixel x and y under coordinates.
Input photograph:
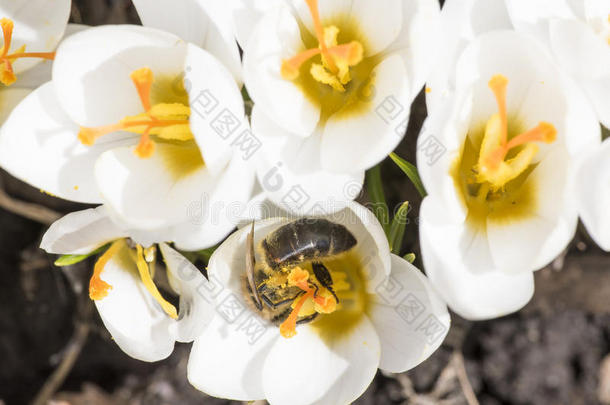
{"type": "Point", "coordinates": [30, 32]}
{"type": "Point", "coordinates": [578, 32]}
{"type": "Point", "coordinates": [141, 321]}
{"type": "Point", "coordinates": [593, 194]}
{"type": "Point", "coordinates": [332, 83]}
{"type": "Point", "coordinates": [496, 158]}
{"type": "Point", "coordinates": [140, 120]}
{"type": "Point", "coordinates": [332, 306]}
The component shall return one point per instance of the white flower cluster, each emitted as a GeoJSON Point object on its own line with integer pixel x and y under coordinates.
{"type": "Point", "coordinates": [180, 130]}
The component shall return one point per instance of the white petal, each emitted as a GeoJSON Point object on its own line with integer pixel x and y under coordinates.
{"type": "Point", "coordinates": [94, 65]}
{"type": "Point", "coordinates": [587, 57]}
{"type": "Point", "coordinates": [9, 99]}
{"type": "Point", "coordinates": [533, 16]}
{"type": "Point", "coordinates": [41, 73]}
{"type": "Point", "coordinates": [308, 369]}
{"type": "Point", "coordinates": [247, 14]}
{"type": "Point", "coordinates": [439, 144]}
{"type": "Point", "coordinates": [206, 24]}
{"type": "Point", "coordinates": [132, 316]}
{"type": "Point", "coordinates": [196, 306]}
{"type": "Point", "coordinates": [462, 21]}
{"type": "Point", "coordinates": [81, 232]}
{"type": "Point", "coordinates": [215, 212]}
{"type": "Point", "coordinates": [150, 193]}
{"type": "Point", "coordinates": [598, 90]}
{"type": "Point", "coordinates": [372, 246]}
{"type": "Point", "coordinates": [359, 142]}
{"type": "Point", "coordinates": [45, 151]}
{"type": "Point", "coordinates": [474, 295]}
{"type": "Point", "coordinates": [579, 50]}
{"type": "Point", "coordinates": [227, 265]}
{"type": "Point", "coordinates": [39, 24]}
{"type": "Point", "coordinates": [410, 318]}
{"type": "Point", "coordinates": [531, 237]}
{"type": "Point", "coordinates": [381, 25]}
{"type": "Point", "coordinates": [226, 360]}
{"type": "Point", "coordinates": [593, 194]}
{"type": "Point", "coordinates": [277, 37]}
{"type": "Point", "coordinates": [291, 175]}
{"type": "Point", "coordinates": [419, 41]}
{"type": "Point", "coordinates": [214, 98]}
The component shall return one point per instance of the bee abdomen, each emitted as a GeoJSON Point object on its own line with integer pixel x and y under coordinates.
{"type": "Point", "coordinates": [306, 239]}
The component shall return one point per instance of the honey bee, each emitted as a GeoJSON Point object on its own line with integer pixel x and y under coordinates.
{"type": "Point", "coordinates": [306, 242]}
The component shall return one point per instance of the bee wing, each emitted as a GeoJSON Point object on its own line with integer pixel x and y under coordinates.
{"type": "Point", "coordinates": [250, 263]}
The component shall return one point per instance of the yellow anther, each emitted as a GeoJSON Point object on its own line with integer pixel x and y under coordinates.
{"type": "Point", "coordinates": [336, 59]}
{"type": "Point", "coordinates": [7, 75]}
{"type": "Point", "coordinates": [166, 120]}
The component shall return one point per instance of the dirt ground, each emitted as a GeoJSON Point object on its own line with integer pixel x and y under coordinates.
{"type": "Point", "coordinates": [554, 351]}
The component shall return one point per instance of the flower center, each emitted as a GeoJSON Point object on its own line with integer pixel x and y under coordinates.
{"type": "Point", "coordinates": [165, 121]}
{"type": "Point", "coordinates": [144, 260]}
{"type": "Point", "coordinates": [315, 300]}
{"type": "Point", "coordinates": [491, 174]}
{"type": "Point", "coordinates": [493, 167]}
{"type": "Point", "coordinates": [330, 295]}
{"type": "Point", "coordinates": [7, 74]}
{"type": "Point", "coordinates": [336, 60]}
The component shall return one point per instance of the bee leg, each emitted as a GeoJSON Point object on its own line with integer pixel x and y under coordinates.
{"type": "Point", "coordinates": [274, 305]}
{"type": "Point", "coordinates": [324, 277]}
{"type": "Point", "coordinates": [315, 286]}
{"type": "Point", "coordinates": [250, 265]}
{"type": "Point", "coordinates": [308, 318]}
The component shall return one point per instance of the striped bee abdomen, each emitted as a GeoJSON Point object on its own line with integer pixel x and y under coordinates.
{"type": "Point", "coordinates": [304, 240]}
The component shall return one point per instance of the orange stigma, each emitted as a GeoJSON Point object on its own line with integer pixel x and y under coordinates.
{"type": "Point", "coordinates": [492, 166]}
{"type": "Point", "coordinates": [98, 288]}
{"type": "Point", "coordinates": [7, 74]}
{"type": "Point", "coordinates": [167, 121]}
{"type": "Point", "coordinates": [336, 59]}
{"type": "Point", "coordinates": [324, 302]}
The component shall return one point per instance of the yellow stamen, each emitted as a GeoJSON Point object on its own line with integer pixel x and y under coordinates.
{"type": "Point", "coordinates": [150, 285]}
{"type": "Point", "coordinates": [98, 288]}
{"type": "Point", "coordinates": [336, 59]}
{"type": "Point", "coordinates": [167, 121]}
{"type": "Point", "coordinates": [315, 15]}
{"type": "Point", "coordinates": [324, 301]}
{"type": "Point", "coordinates": [7, 75]}
{"type": "Point", "coordinates": [288, 327]}
{"type": "Point", "coordinates": [492, 167]}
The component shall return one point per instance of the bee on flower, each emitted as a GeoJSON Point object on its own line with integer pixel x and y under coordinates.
{"type": "Point", "coordinates": [309, 308]}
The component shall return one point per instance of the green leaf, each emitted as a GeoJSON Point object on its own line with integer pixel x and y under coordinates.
{"type": "Point", "coordinates": [410, 257]}
{"type": "Point", "coordinates": [203, 255]}
{"type": "Point", "coordinates": [68, 260]}
{"type": "Point", "coordinates": [379, 206]}
{"type": "Point", "coordinates": [411, 172]}
{"type": "Point", "coordinates": [397, 229]}
{"type": "Point", "coordinates": [605, 133]}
